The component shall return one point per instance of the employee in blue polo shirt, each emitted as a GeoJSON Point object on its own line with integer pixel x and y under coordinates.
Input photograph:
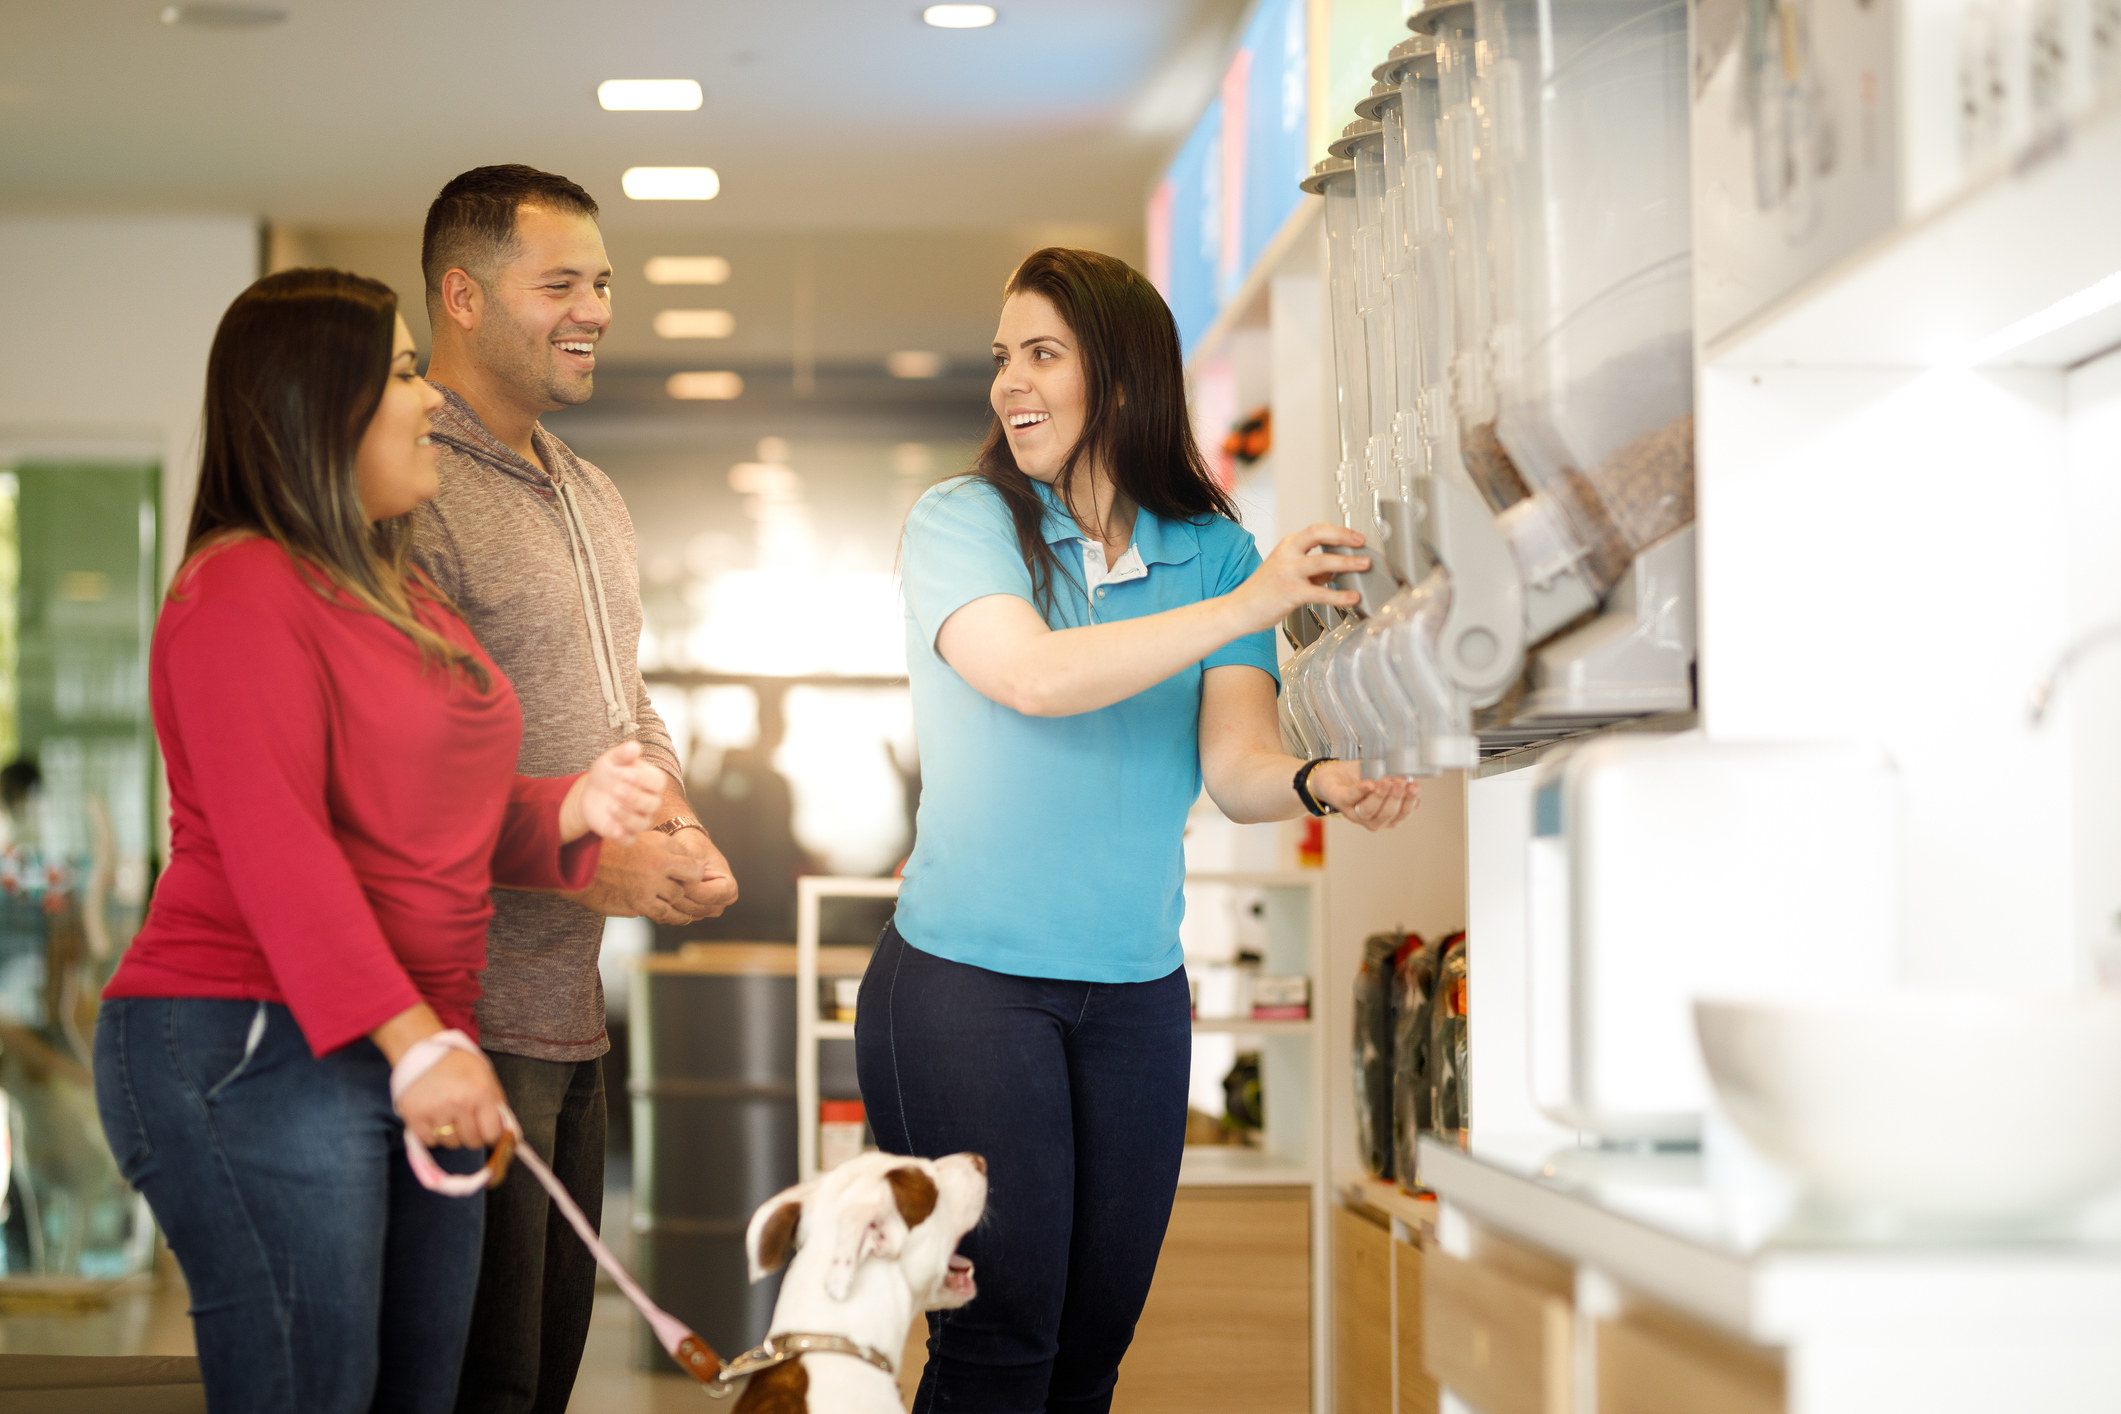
{"type": "Point", "coordinates": [1089, 636]}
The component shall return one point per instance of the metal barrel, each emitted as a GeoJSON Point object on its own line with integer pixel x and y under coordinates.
{"type": "Point", "coordinates": [714, 1125]}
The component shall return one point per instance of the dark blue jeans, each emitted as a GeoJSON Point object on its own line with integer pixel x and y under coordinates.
{"type": "Point", "coordinates": [1075, 1092]}
{"type": "Point", "coordinates": [322, 1276]}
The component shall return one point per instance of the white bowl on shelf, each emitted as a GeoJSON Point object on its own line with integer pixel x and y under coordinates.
{"type": "Point", "coordinates": [1931, 1103]}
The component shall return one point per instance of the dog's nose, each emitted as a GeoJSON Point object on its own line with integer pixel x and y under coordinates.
{"type": "Point", "coordinates": [978, 1162]}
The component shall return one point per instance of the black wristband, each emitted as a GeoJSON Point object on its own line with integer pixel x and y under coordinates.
{"type": "Point", "coordinates": [1303, 788]}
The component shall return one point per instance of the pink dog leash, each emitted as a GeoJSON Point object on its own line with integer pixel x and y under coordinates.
{"type": "Point", "coordinates": [694, 1355]}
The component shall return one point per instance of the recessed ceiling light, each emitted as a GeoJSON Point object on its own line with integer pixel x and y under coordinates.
{"type": "Point", "coordinates": [959, 16]}
{"type": "Point", "coordinates": [649, 95]}
{"type": "Point", "coordinates": [694, 323]}
{"type": "Point", "coordinates": [717, 387]}
{"type": "Point", "coordinates": [223, 16]}
{"type": "Point", "coordinates": [670, 183]}
{"type": "Point", "coordinates": [914, 363]}
{"type": "Point", "coordinates": [688, 270]}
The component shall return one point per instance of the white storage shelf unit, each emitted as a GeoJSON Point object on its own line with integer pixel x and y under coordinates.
{"type": "Point", "coordinates": [1292, 1066]}
{"type": "Point", "coordinates": [1909, 503]}
{"type": "Point", "coordinates": [1909, 493]}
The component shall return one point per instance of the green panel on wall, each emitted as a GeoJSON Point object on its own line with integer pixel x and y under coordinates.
{"type": "Point", "coordinates": [85, 601]}
{"type": "Point", "coordinates": [1360, 34]}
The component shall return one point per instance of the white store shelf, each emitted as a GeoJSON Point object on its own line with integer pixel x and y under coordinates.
{"type": "Point", "coordinates": [1258, 878]}
{"type": "Point", "coordinates": [1245, 1026]}
{"type": "Point", "coordinates": [1232, 1166]}
{"type": "Point", "coordinates": [1937, 290]}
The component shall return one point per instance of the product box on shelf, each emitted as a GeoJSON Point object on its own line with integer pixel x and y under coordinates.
{"type": "Point", "coordinates": [1281, 998]}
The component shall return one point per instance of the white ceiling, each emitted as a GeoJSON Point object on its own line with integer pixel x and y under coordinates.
{"type": "Point", "coordinates": [819, 114]}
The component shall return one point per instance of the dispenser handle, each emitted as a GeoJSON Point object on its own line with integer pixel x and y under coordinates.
{"type": "Point", "coordinates": [1482, 642]}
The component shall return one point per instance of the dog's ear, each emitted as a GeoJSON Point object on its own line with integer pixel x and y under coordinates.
{"type": "Point", "coordinates": [771, 1236]}
{"type": "Point", "coordinates": [869, 1226]}
{"type": "Point", "coordinates": [913, 1192]}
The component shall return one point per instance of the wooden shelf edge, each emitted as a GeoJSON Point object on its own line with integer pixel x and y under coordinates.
{"type": "Point", "coordinates": [1416, 1211]}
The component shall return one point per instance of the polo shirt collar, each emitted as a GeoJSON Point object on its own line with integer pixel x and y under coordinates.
{"type": "Point", "coordinates": [1159, 541]}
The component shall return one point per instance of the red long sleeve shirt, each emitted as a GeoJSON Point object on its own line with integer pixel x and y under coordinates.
{"type": "Point", "coordinates": [338, 809]}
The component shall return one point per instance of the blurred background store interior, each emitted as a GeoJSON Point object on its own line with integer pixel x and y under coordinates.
{"type": "Point", "coordinates": [792, 363]}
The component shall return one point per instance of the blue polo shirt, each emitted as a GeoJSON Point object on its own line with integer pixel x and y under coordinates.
{"type": "Point", "coordinates": [1053, 846]}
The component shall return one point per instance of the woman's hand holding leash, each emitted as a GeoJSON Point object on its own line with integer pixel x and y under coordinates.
{"type": "Point", "coordinates": [616, 797]}
{"type": "Point", "coordinates": [1293, 575]}
{"type": "Point", "coordinates": [454, 1099]}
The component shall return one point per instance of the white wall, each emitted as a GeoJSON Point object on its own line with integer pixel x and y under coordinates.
{"type": "Point", "coordinates": [1305, 435]}
{"type": "Point", "coordinates": [1884, 557]}
{"type": "Point", "coordinates": [117, 314]}
{"type": "Point", "coordinates": [2088, 704]}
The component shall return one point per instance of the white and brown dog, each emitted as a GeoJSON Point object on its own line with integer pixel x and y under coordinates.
{"type": "Point", "coordinates": [874, 1244]}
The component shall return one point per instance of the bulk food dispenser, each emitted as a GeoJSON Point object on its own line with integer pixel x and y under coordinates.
{"type": "Point", "coordinates": [1511, 274]}
{"type": "Point", "coordinates": [1585, 177]}
{"type": "Point", "coordinates": [1329, 705]}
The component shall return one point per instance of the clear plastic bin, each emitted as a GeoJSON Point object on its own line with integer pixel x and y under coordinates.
{"type": "Point", "coordinates": [1587, 186]}
{"type": "Point", "coordinates": [1383, 456]}
{"type": "Point", "coordinates": [1461, 143]}
{"type": "Point", "coordinates": [1421, 287]}
{"type": "Point", "coordinates": [1334, 179]}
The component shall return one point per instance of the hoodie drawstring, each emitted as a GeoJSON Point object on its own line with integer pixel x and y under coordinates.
{"type": "Point", "coordinates": [603, 647]}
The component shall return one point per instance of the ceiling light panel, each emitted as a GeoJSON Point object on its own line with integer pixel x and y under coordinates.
{"type": "Point", "coordinates": [694, 323]}
{"type": "Point", "coordinates": [649, 95]}
{"type": "Point", "coordinates": [223, 16]}
{"type": "Point", "coordinates": [959, 16]}
{"type": "Point", "coordinates": [718, 387]}
{"type": "Point", "coordinates": [671, 183]}
{"type": "Point", "coordinates": [914, 363]}
{"type": "Point", "coordinates": [688, 270]}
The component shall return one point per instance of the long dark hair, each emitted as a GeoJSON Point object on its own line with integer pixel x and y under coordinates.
{"type": "Point", "coordinates": [297, 369]}
{"type": "Point", "coordinates": [1129, 341]}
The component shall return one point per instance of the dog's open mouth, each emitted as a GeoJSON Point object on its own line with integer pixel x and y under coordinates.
{"type": "Point", "coordinates": [958, 1280]}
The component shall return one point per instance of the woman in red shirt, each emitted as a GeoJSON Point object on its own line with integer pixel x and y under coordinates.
{"type": "Point", "coordinates": [341, 758]}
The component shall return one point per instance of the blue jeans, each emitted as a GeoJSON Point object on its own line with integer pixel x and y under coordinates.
{"type": "Point", "coordinates": [1075, 1093]}
{"type": "Point", "coordinates": [322, 1276]}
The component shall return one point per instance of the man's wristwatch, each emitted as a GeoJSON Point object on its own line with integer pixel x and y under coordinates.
{"type": "Point", "coordinates": [1303, 788]}
{"type": "Point", "coordinates": [680, 822]}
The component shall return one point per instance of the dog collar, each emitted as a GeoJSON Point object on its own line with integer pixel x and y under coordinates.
{"type": "Point", "coordinates": [789, 1345]}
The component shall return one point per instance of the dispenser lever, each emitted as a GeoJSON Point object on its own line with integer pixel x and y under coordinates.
{"type": "Point", "coordinates": [1483, 637]}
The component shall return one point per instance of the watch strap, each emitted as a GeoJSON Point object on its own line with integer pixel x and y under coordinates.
{"type": "Point", "coordinates": [679, 822]}
{"type": "Point", "coordinates": [1303, 788]}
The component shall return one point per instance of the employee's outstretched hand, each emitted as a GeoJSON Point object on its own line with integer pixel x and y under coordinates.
{"type": "Point", "coordinates": [616, 797]}
{"type": "Point", "coordinates": [1373, 804]}
{"type": "Point", "coordinates": [1293, 575]}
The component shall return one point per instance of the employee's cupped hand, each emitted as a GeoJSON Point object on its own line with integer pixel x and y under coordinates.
{"type": "Point", "coordinates": [456, 1104]}
{"type": "Point", "coordinates": [616, 797]}
{"type": "Point", "coordinates": [1376, 804]}
{"type": "Point", "coordinates": [1293, 575]}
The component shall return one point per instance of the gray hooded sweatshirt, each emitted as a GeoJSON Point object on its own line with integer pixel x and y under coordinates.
{"type": "Point", "coordinates": [542, 567]}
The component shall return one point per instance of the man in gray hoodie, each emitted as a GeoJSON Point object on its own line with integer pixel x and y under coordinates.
{"type": "Point", "coordinates": [536, 549]}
